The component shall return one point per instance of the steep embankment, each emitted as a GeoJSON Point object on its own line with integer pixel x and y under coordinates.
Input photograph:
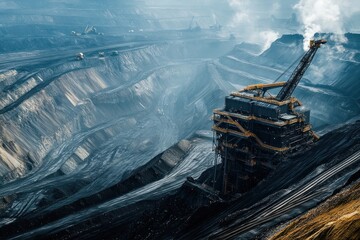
{"type": "Point", "coordinates": [43, 108]}
{"type": "Point", "coordinates": [153, 171]}
{"type": "Point", "coordinates": [337, 218]}
{"type": "Point", "coordinates": [83, 126]}
{"type": "Point", "coordinates": [297, 185]}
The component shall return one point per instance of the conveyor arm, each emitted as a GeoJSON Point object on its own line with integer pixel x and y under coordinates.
{"type": "Point", "coordinates": [288, 89]}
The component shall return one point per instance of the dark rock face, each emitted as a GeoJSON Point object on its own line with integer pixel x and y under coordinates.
{"type": "Point", "coordinates": [195, 212]}
{"type": "Point", "coordinates": [157, 168]}
{"type": "Point", "coordinates": [294, 187]}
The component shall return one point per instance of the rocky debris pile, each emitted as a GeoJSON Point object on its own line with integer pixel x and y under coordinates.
{"type": "Point", "coordinates": [337, 218]}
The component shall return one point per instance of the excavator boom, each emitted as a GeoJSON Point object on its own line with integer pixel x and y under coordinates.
{"type": "Point", "coordinates": [262, 86]}
{"type": "Point", "coordinates": [286, 92]}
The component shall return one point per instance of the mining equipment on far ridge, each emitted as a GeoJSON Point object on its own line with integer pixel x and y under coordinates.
{"type": "Point", "coordinates": [255, 130]}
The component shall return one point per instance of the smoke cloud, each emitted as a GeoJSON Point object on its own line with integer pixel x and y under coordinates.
{"type": "Point", "coordinates": [248, 19]}
{"type": "Point", "coordinates": [258, 21]}
{"type": "Point", "coordinates": [325, 16]}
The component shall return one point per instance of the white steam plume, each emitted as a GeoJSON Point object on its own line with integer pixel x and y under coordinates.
{"type": "Point", "coordinates": [267, 38]}
{"type": "Point", "coordinates": [248, 19]}
{"type": "Point", "coordinates": [325, 16]}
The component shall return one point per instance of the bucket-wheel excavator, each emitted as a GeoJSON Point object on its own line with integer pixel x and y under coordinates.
{"type": "Point", "coordinates": [256, 130]}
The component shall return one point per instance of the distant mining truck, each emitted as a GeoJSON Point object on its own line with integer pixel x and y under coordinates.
{"type": "Point", "coordinates": [115, 53]}
{"type": "Point", "coordinates": [80, 56]}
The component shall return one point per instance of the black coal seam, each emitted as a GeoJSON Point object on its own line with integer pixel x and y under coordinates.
{"type": "Point", "coordinates": [261, 191]}
{"type": "Point", "coordinates": [155, 169]}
